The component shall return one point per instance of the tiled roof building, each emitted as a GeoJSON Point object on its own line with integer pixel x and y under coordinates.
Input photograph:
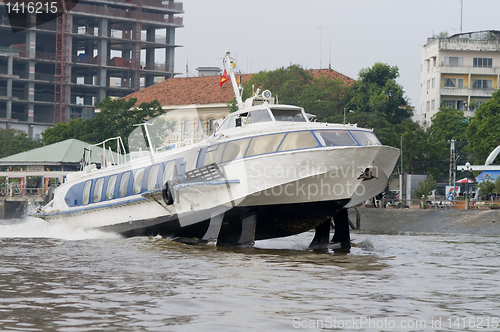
{"type": "Point", "coordinates": [197, 102]}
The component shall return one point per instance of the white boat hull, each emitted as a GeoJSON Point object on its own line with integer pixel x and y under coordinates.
{"type": "Point", "coordinates": [289, 193]}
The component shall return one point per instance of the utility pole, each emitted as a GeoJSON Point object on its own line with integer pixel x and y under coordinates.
{"type": "Point", "coordinates": [401, 173]}
{"type": "Point", "coordinates": [452, 163]}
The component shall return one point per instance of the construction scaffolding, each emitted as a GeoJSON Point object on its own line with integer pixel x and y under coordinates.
{"type": "Point", "coordinates": [61, 102]}
{"type": "Point", "coordinates": [59, 70]}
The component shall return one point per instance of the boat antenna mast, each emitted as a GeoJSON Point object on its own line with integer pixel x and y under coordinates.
{"type": "Point", "coordinates": [229, 65]}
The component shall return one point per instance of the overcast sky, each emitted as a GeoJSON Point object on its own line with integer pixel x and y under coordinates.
{"type": "Point", "coordinates": [268, 34]}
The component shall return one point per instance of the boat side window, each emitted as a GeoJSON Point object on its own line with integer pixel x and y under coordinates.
{"type": "Point", "coordinates": [228, 123]}
{"type": "Point", "coordinates": [98, 190]}
{"type": "Point", "coordinates": [213, 154]}
{"type": "Point", "coordinates": [365, 137]}
{"type": "Point", "coordinates": [122, 191]}
{"type": "Point", "coordinates": [264, 144]}
{"type": "Point", "coordinates": [289, 115]}
{"type": "Point", "coordinates": [298, 140]}
{"type": "Point", "coordinates": [335, 138]}
{"type": "Point", "coordinates": [259, 116]}
{"type": "Point", "coordinates": [139, 174]}
{"type": "Point", "coordinates": [153, 177]}
{"type": "Point", "coordinates": [168, 173]}
{"type": "Point", "coordinates": [86, 192]}
{"type": "Point", "coordinates": [235, 149]}
{"type": "Point", "coordinates": [110, 188]}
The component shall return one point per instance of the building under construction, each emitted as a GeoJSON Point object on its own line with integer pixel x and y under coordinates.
{"type": "Point", "coordinates": [59, 70]}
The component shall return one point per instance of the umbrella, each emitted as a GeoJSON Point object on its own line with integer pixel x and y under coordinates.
{"type": "Point", "coordinates": [464, 180]}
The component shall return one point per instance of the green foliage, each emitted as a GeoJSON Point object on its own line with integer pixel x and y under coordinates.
{"type": "Point", "coordinates": [447, 124]}
{"type": "Point", "coordinates": [419, 152]}
{"type": "Point", "coordinates": [379, 102]}
{"type": "Point", "coordinates": [14, 141]}
{"type": "Point", "coordinates": [497, 185]}
{"type": "Point", "coordinates": [323, 96]}
{"type": "Point", "coordinates": [375, 101]}
{"type": "Point", "coordinates": [116, 118]}
{"type": "Point", "coordinates": [425, 187]}
{"type": "Point", "coordinates": [377, 92]}
{"type": "Point", "coordinates": [483, 132]}
{"type": "Point", "coordinates": [75, 128]}
{"type": "Point", "coordinates": [443, 34]}
{"type": "Point", "coordinates": [286, 83]}
{"type": "Point", "coordinates": [486, 187]}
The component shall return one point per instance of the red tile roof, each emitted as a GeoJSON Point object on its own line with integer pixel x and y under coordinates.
{"type": "Point", "coordinates": [203, 90]}
{"type": "Point", "coordinates": [187, 91]}
{"type": "Point", "coordinates": [332, 74]}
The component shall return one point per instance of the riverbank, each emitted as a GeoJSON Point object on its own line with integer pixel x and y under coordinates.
{"type": "Point", "coordinates": [429, 220]}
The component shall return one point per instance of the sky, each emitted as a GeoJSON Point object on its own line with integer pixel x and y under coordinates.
{"type": "Point", "coordinates": [348, 34]}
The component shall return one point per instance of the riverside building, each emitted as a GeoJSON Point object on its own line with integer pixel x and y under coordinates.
{"type": "Point", "coordinates": [461, 71]}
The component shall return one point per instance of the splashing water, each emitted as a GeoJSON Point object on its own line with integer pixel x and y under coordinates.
{"type": "Point", "coordinates": [30, 227]}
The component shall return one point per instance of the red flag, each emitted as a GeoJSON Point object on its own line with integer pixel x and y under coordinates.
{"type": "Point", "coordinates": [224, 78]}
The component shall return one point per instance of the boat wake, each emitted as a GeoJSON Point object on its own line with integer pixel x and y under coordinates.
{"type": "Point", "coordinates": [371, 243]}
{"type": "Point", "coordinates": [30, 227]}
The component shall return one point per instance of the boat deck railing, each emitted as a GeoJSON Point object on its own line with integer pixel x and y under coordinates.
{"type": "Point", "coordinates": [108, 157]}
{"type": "Point", "coordinates": [176, 145]}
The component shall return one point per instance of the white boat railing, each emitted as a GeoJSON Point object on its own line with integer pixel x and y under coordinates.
{"type": "Point", "coordinates": [176, 145]}
{"type": "Point", "coordinates": [108, 157]}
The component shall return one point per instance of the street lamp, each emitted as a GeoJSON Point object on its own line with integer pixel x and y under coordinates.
{"type": "Point", "coordinates": [467, 205]}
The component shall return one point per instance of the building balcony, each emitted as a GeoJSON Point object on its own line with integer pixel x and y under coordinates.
{"type": "Point", "coordinates": [465, 92]}
{"type": "Point", "coordinates": [469, 70]}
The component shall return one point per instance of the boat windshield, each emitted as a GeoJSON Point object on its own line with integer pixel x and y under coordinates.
{"type": "Point", "coordinates": [291, 115]}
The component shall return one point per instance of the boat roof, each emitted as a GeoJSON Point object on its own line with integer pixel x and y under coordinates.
{"type": "Point", "coordinates": [268, 106]}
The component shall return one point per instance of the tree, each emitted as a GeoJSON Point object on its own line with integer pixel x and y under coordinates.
{"type": "Point", "coordinates": [75, 128]}
{"type": "Point", "coordinates": [286, 83]}
{"type": "Point", "coordinates": [447, 124]}
{"type": "Point", "coordinates": [322, 96]}
{"type": "Point", "coordinates": [376, 91]}
{"type": "Point", "coordinates": [486, 188]}
{"type": "Point", "coordinates": [483, 131]}
{"type": "Point", "coordinates": [117, 117]}
{"type": "Point", "coordinates": [14, 141]}
{"type": "Point", "coordinates": [425, 187]}
{"type": "Point", "coordinates": [380, 102]}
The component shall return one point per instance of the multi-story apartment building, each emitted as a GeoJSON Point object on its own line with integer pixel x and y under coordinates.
{"type": "Point", "coordinates": [461, 71]}
{"type": "Point", "coordinates": [103, 48]}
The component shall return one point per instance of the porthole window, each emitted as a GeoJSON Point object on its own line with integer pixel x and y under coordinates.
{"type": "Point", "coordinates": [110, 188]}
{"type": "Point", "coordinates": [122, 191]}
{"type": "Point", "coordinates": [168, 173]}
{"type": "Point", "coordinates": [152, 177]}
{"type": "Point", "coordinates": [139, 174]}
{"type": "Point", "coordinates": [86, 192]}
{"type": "Point", "coordinates": [98, 190]}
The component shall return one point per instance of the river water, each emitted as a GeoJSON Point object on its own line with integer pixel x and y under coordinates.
{"type": "Point", "coordinates": [53, 278]}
